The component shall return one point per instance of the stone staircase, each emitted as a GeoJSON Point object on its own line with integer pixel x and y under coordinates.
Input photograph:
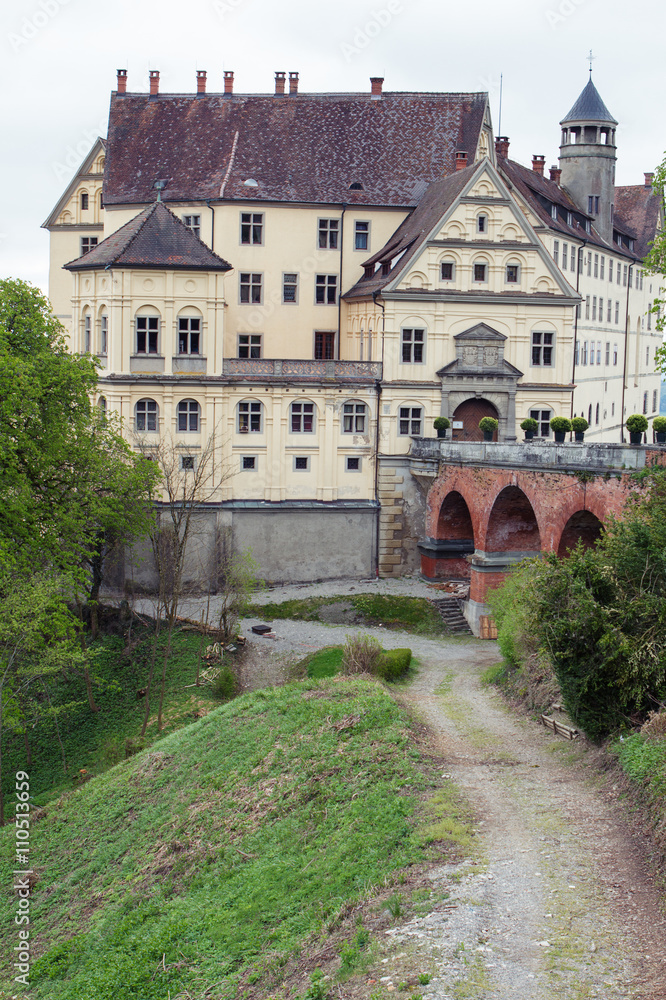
{"type": "Point", "coordinates": [451, 614]}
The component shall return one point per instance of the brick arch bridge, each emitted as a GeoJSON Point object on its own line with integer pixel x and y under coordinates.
{"type": "Point", "coordinates": [488, 506]}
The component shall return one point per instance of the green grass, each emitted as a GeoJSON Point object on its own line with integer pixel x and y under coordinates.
{"type": "Point", "coordinates": [325, 662]}
{"type": "Point", "coordinates": [644, 761]}
{"type": "Point", "coordinates": [212, 857]}
{"type": "Point", "coordinates": [407, 614]}
{"type": "Point", "coordinates": [95, 741]}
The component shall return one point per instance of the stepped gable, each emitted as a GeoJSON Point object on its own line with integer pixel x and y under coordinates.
{"type": "Point", "coordinates": [301, 148]}
{"type": "Point", "coordinates": [638, 208]}
{"type": "Point", "coordinates": [589, 107]}
{"type": "Point", "coordinates": [154, 238]}
{"type": "Point", "coordinates": [411, 233]}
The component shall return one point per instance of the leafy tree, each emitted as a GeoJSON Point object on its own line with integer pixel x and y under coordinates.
{"type": "Point", "coordinates": [655, 262]}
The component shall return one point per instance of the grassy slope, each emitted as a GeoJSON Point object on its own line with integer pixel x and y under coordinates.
{"type": "Point", "coordinates": [197, 849]}
{"type": "Point", "coordinates": [411, 614]}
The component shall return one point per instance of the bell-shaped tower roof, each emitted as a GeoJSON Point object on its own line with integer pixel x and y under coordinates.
{"type": "Point", "coordinates": [589, 108]}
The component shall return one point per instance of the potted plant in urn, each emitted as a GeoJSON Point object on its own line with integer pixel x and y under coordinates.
{"type": "Point", "coordinates": [636, 424]}
{"type": "Point", "coordinates": [659, 428]}
{"type": "Point", "coordinates": [579, 425]}
{"type": "Point", "coordinates": [529, 425]}
{"type": "Point", "coordinates": [488, 425]}
{"type": "Point", "coordinates": [560, 426]}
{"type": "Point", "coordinates": [441, 425]}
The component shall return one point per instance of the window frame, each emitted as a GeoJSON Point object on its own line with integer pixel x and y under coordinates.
{"type": "Point", "coordinates": [150, 409]}
{"type": "Point", "coordinates": [325, 284]}
{"type": "Point", "coordinates": [354, 412]}
{"type": "Point", "coordinates": [407, 421]}
{"type": "Point", "coordinates": [542, 349]}
{"type": "Point", "coordinates": [249, 416]}
{"type": "Point", "coordinates": [88, 243]}
{"type": "Point", "coordinates": [516, 267]}
{"type": "Point", "coordinates": [543, 418]}
{"type": "Point", "coordinates": [359, 233]}
{"type": "Point", "coordinates": [476, 267]}
{"type": "Point", "coordinates": [447, 263]}
{"type": "Point", "coordinates": [248, 226]}
{"type": "Point", "coordinates": [324, 345]}
{"type": "Point", "coordinates": [353, 458]}
{"type": "Point", "coordinates": [250, 288]}
{"type": "Point", "coordinates": [248, 467]}
{"type": "Point", "coordinates": [193, 223]}
{"type": "Point", "coordinates": [290, 284]}
{"type": "Point", "coordinates": [147, 334]}
{"type": "Point", "coordinates": [482, 223]}
{"type": "Point", "coordinates": [299, 411]}
{"type": "Point", "coordinates": [328, 233]}
{"type": "Point", "coordinates": [85, 201]}
{"type": "Point", "coordinates": [188, 336]}
{"type": "Point", "coordinates": [188, 411]}
{"type": "Point", "coordinates": [305, 463]}
{"type": "Point", "coordinates": [250, 347]}
{"type": "Point", "coordinates": [412, 345]}
{"type": "Point", "coordinates": [104, 334]}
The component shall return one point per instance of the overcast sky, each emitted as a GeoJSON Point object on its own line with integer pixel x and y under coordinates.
{"type": "Point", "coordinates": [59, 61]}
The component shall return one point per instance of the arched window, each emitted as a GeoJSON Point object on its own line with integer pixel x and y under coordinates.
{"type": "Point", "coordinates": [189, 335]}
{"type": "Point", "coordinates": [596, 420]}
{"type": "Point", "coordinates": [87, 332]}
{"type": "Point", "coordinates": [188, 415]}
{"type": "Point", "coordinates": [589, 414]}
{"type": "Point", "coordinates": [353, 417]}
{"type": "Point", "coordinates": [101, 404]}
{"type": "Point", "coordinates": [249, 416]}
{"type": "Point", "coordinates": [103, 334]}
{"type": "Point", "coordinates": [147, 332]}
{"type": "Point", "coordinates": [146, 414]}
{"type": "Point", "coordinates": [302, 417]}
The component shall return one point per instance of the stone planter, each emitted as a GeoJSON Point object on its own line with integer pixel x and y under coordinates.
{"type": "Point", "coordinates": [529, 435]}
{"type": "Point", "coordinates": [579, 435]}
{"type": "Point", "coordinates": [488, 435]}
{"type": "Point", "coordinates": [441, 432]}
{"type": "Point", "coordinates": [560, 436]}
{"type": "Point", "coordinates": [635, 437]}
{"type": "Point", "coordinates": [661, 437]}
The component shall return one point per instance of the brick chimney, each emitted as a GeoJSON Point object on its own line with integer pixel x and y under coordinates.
{"type": "Point", "coordinates": [538, 164]}
{"type": "Point", "coordinates": [122, 82]}
{"type": "Point", "coordinates": [154, 82]}
{"type": "Point", "coordinates": [461, 159]}
{"type": "Point", "coordinates": [555, 174]}
{"type": "Point", "coordinates": [280, 82]}
{"type": "Point", "coordinates": [228, 81]}
{"type": "Point", "coordinates": [201, 81]}
{"type": "Point", "coordinates": [649, 178]}
{"type": "Point", "coordinates": [293, 83]}
{"type": "Point", "coordinates": [376, 83]}
{"type": "Point", "coordinates": [502, 146]}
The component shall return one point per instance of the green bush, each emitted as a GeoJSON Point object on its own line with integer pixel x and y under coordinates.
{"type": "Point", "coordinates": [393, 663]}
{"type": "Point", "coordinates": [488, 424]}
{"type": "Point", "coordinates": [441, 423]}
{"type": "Point", "coordinates": [579, 424]}
{"type": "Point", "coordinates": [529, 424]}
{"type": "Point", "coordinates": [361, 654]}
{"type": "Point", "coordinates": [659, 425]}
{"type": "Point", "coordinates": [637, 423]}
{"type": "Point", "coordinates": [559, 424]}
{"type": "Point", "coordinates": [225, 685]}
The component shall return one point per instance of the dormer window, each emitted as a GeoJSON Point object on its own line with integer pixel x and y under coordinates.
{"type": "Point", "coordinates": [553, 212]}
{"type": "Point", "coordinates": [569, 219]}
{"type": "Point", "coordinates": [588, 227]}
{"type": "Point", "coordinates": [482, 224]}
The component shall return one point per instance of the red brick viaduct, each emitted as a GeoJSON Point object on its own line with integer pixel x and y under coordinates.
{"type": "Point", "coordinates": [491, 505]}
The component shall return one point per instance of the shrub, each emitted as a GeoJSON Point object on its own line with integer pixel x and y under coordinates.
{"type": "Point", "coordinates": [654, 730]}
{"type": "Point", "coordinates": [488, 424]}
{"type": "Point", "coordinates": [225, 685]}
{"type": "Point", "coordinates": [529, 424]}
{"type": "Point", "coordinates": [560, 424]}
{"type": "Point", "coordinates": [579, 424]}
{"type": "Point", "coordinates": [393, 663]}
{"type": "Point", "coordinates": [441, 423]}
{"type": "Point", "coordinates": [659, 425]}
{"type": "Point", "coordinates": [637, 423]}
{"type": "Point", "coordinates": [360, 654]}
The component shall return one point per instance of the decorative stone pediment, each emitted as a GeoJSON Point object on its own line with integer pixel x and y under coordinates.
{"type": "Point", "coordinates": [480, 351]}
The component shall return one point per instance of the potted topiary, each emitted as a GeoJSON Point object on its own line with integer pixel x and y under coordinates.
{"type": "Point", "coordinates": [637, 424]}
{"type": "Point", "coordinates": [441, 425]}
{"type": "Point", "coordinates": [659, 428]}
{"type": "Point", "coordinates": [560, 427]}
{"type": "Point", "coordinates": [579, 425]}
{"type": "Point", "coordinates": [488, 425]}
{"type": "Point", "coordinates": [529, 425]}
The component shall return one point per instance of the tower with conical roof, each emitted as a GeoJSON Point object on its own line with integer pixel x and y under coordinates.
{"type": "Point", "coordinates": [587, 158]}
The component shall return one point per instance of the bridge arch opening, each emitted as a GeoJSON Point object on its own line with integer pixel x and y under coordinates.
{"type": "Point", "coordinates": [470, 413]}
{"type": "Point", "coordinates": [455, 520]}
{"type": "Point", "coordinates": [582, 526]}
{"type": "Point", "coordinates": [512, 525]}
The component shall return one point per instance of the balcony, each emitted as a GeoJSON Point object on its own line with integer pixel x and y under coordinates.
{"type": "Point", "coordinates": [280, 369]}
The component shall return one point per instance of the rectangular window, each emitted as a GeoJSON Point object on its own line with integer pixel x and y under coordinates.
{"type": "Point", "coordinates": [589, 264]}
{"type": "Point", "coordinates": [617, 312]}
{"type": "Point", "coordinates": [569, 219]}
{"type": "Point", "coordinates": [603, 267]}
{"type": "Point", "coordinates": [326, 289]}
{"type": "Point", "coordinates": [87, 334]}
{"type": "Point", "coordinates": [512, 274]}
{"type": "Point", "coordinates": [578, 310]}
{"type": "Point", "coordinates": [598, 352]}
{"type": "Point", "coordinates": [601, 310]}
{"type": "Point", "coordinates": [147, 334]}
{"type": "Point", "coordinates": [572, 264]}
{"type": "Point", "coordinates": [329, 230]}
{"type": "Point", "coordinates": [542, 417]}
{"type": "Point", "coordinates": [610, 269]}
{"type": "Point", "coordinates": [412, 346]}
{"type": "Point", "coordinates": [615, 354]}
{"type": "Point", "coordinates": [556, 251]}
{"type": "Point", "coordinates": [361, 236]}
{"type": "Point", "coordinates": [480, 271]}
{"type": "Point", "coordinates": [104, 334]}
{"type": "Point", "coordinates": [301, 463]}
{"type": "Point", "coordinates": [409, 420]}
{"type": "Point", "coordinates": [631, 278]}
{"type": "Point", "coordinates": [619, 273]}
{"type": "Point", "coordinates": [641, 281]}
{"type": "Point", "coordinates": [446, 270]}
{"type": "Point", "coordinates": [324, 345]}
{"type": "Point", "coordinates": [302, 418]}
{"type": "Point", "coordinates": [252, 228]}
{"type": "Point", "coordinates": [649, 316]}
{"type": "Point", "coordinates": [624, 275]}
{"type": "Point", "coordinates": [193, 222]}
{"type": "Point", "coordinates": [583, 353]}
{"type": "Point", "coordinates": [187, 463]}
{"type": "Point", "coordinates": [248, 463]}
{"type": "Point", "coordinates": [290, 287]}
{"type": "Point", "coordinates": [189, 335]}
{"type": "Point", "coordinates": [596, 265]}
{"type": "Point", "coordinates": [249, 345]}
{"type": "Point", "coordinates": [607, 352]}
{"type": "Point", "coordinates": [481, 223]}
{"type": "Point", "coordinates": [609, 306]}
{"type": "Point", "coordinates": [84, 200]}
{"type": "Point", "coordinates": [587, 307]}
{"type": "Point", "coordinates": [577, 352]}
{"type": "Point", "coordinates": [249, 417]}
{"type": "Point", "coordinates": [553, 212]}
{"type": "Point", "coordinates": [612, 409]}
{"type": "Point", "coordinates": [647, 355]}
{"type": "Point", "coordinates": [645, 402]}
{"type": "Point", "coordinates": [87, 243]}
{"type": "Point", "coordinates": [591, 352]}
{"type": "Point", "coordinates": [353, 464]}
{"type": "Point", "coordinates": [250, 287]}
{"type": "Point", "coordinates": [542, 349]}
{"type": "Point", "coordinates": [594, 307]}
{"type": "Point", "coordinates": [353, 418]}
{"type": "Point", "coordinates": [590, 204]}
{"type": "Point", "coordinates": [654, 400]}
{"type": "Point", "coordinates": [565, 254]}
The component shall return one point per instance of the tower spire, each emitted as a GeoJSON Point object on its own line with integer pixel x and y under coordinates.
{"type": "Point", "coordinates": [591, 59]}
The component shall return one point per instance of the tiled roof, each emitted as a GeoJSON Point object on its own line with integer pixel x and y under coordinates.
{"type": "Point", "coordinates": [153, 238]}
{"type": "Point", "coordinates": [410, 234]}
{"type": "Point", "coordinates": [297, 148]}
{"type": "Point", "coordinates": [589, 108]}
{"type": "Point", "coordinates": [638, 207]}
{"type": "Point", "coordinates": [532, 186]}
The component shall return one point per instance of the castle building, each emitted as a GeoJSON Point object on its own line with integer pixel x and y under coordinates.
{"type": "Point", "coordinates": [313, 278]}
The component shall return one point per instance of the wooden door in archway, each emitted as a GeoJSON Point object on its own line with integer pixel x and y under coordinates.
{"type": "Point", "coordinates": [470, 412]}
